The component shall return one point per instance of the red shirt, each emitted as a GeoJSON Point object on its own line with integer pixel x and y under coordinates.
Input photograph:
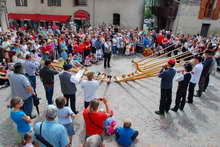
{"type": "Point", "coordinates": [160, 38]}
{"type": "Point", "coordinates": [82, 47]}
{"type": "Point", "coordinates": [87, 45]}
{"type": "Point", "coordinates": [94, 122]}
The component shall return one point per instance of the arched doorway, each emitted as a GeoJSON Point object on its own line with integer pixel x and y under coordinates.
{"type": "Point", "coordinates": [116, 19]}
{"type": "Point", "coordinates": [82, 19]}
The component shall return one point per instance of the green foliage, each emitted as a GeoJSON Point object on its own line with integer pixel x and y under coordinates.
{"type": "Point", "coordinates": [147, 13]}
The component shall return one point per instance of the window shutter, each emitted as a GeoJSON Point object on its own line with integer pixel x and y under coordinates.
{"type": "Point", "coordinates": [202, 9]}
{"type": "Point", "coordinates": [25, 2]}
{"type": "Point", "coordinates": [216, 11]}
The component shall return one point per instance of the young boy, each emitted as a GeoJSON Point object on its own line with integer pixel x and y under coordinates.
{"type": "Point", "coordinates": [125, 135]}
{"type": "Point", "coordinates": [183, 79]}
{"type": "Point", "coordinates": [19, 117]}
{"type": "Point", "coordinates": [65, 115]}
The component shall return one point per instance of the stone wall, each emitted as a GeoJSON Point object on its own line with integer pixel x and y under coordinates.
{"type": "Point", "coordinates": [187, 21]}
{"type": "Point", "coordinates": [131, 11]}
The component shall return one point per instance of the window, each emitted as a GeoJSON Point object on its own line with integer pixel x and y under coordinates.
{"type": "Point", "coordinates": [80, 2]}
{"type": "Point", "coordinates": [42, 1]}
{"type": "Point", "coordinates": [116, 19]}
{"type": "Point", "coordinates": [207, 8]}
{"type": "Point", "coordinates": [21, 3]}
{"type": "Point", "coordinates": [54, 3]}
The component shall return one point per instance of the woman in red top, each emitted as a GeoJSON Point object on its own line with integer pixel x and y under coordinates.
{"type": "Point", "coordinates": [94, 120]}
{"type": "Point", "coordinates": [82, 47]}
{"type": "Point", "coordinates": [87, 44]}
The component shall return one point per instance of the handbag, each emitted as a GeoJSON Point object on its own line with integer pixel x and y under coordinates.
{"type": "Point", "coordinates": [42, 139]}
{"type": "Point", "coordinates": [36, 100]}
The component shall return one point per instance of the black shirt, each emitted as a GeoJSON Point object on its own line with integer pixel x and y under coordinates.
{"type": "Point", "coordinates": [185, 82]}
{"type": "Point", "coordinates": [47, 75]}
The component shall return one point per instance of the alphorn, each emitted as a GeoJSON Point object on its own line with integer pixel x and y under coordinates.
{"type": "Point", "coordinates": [165, 60]}
{"type": "Point", "coordinates": [153, 55]}
{"type": "Point", "coordinates": [163, 55]}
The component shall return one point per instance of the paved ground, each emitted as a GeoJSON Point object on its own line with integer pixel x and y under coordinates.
{"type": "Point", "coordinates": [198, 126]}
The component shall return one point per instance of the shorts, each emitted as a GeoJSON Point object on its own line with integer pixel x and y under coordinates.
{"type": "Point", "coordinates": [69, 129]}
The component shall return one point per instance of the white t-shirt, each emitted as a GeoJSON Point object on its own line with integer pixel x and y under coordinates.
{"type": "Point", "coordinates": [28, 145]}
{"type": "Point", "coordinates": [89, 88]}
{"type": "Point", "coordinates": [196, 73]}
{"type": "Point", "coordinates": [64, 115]}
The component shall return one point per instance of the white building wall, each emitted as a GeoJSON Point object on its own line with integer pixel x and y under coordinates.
{"type": "Point", "coordinates": [187, 21]}
{"type": "Point", "coordinates": [131, 11]}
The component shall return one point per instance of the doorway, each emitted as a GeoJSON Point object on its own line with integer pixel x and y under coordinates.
{"type": "Point", "coordinates": [205, 30]}
{"type": "Point", "coordinates": [116, 19]}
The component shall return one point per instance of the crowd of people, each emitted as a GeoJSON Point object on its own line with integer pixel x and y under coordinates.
{"type": "Point", "coordinates": [26, 54]}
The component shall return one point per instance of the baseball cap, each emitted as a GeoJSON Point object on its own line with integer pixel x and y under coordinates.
{"type": "Point", "coordinates": [171, 61]}
{"type": "Point", "coordinates": [51, 111]}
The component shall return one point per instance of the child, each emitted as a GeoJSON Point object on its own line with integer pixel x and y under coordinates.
{"type": "Point", "coordinates": [88, 61]}
{"type": "Point", "coordinates": [65, 115]}
{"type": "Point", "coordinates": [19, 117]}
{"type": "Point", "coordinates": [128, 48]}
{"type": "Point", "coordinates": [28, 140]}
{"type": "Point", "coordinates": [64, 54]}
{"type": "Point", "coordinates": [183, 79]}
{"type": "Point", "coordinates": [125, 135]}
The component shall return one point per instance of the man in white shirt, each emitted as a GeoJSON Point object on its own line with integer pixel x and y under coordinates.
{"type": "Point", "coordinates": [196, 73]}
{"type": "Point", "coordinates": [89, 87]}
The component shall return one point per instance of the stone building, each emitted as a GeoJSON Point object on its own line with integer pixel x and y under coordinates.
{"type": "Point", "coordinates": [198, 17]}
{"type": "Point", "coordinates": [127, 13]}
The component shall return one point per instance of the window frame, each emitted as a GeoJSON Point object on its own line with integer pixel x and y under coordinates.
{"type": "Point", "coordinates": [54, 3]}
{"type": "Point", "coordinates": [21, 3]}
{"type": "Point", "coordinates": [79, 3]}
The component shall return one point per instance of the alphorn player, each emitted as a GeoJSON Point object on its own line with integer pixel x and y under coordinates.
{"type": "Point", "coordinates": [207, 69]}
{"type": "Point", "coordinates": [166, 74]}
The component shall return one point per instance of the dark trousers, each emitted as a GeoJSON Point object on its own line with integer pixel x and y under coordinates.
{"type": "Point", "coordinates": [217, 61]}
{"type": "Point", "coordinates": [191, 92]}
{"type": "Point", "coordinates": [32, 80]}
{"type": "Point", "coordinates": [28, 106]}
{"type": "Point", "coordinates": [203, 84]}
{"type": "Point", "coordinates": [107, 59]}
{"type": "Point", "coordinates": [49, 94]}
{"type": "Point", "coordinates": [206, 82]}
{"type": "Point", "coordinates": [180, 98]}
{"type": "Point", "coordinates": [72, 99]}
{"type": "Point", "coordinates": [86, 104]}
{"type": "Point", "coordinates": [165, 100]}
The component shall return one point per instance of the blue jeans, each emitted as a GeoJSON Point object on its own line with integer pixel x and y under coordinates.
{"type": "Point", "coordinates": [32, 80]}
{"type": "Point", "coordinates": [28, 106]}
{"type": "Point", "coordinates": [114, 50]}
{"type": "Point", "coordinates": [49, 94]}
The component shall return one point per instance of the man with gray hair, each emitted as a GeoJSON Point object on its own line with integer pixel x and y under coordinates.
{"type": "Point", "coordinates": [54, 133]}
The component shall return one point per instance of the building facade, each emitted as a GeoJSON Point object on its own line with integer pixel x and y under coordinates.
{"type": "Point", "coordinates": [198, 17]}
{"type": "Point", "coordinates": [127, 13]}
{"type": "Point", "coordinates": [3, 15]}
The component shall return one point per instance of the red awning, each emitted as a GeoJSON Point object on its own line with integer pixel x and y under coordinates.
{"type": "Point", "coordinates": [38, 17]}
{"type": "Point", "coordinates": [81, 14]}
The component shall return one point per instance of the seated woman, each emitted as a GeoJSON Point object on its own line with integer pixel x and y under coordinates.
{"type": "Point", "coordinates": [125, 135]}
{"type": "Point", "coordinates": [3, 77]}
